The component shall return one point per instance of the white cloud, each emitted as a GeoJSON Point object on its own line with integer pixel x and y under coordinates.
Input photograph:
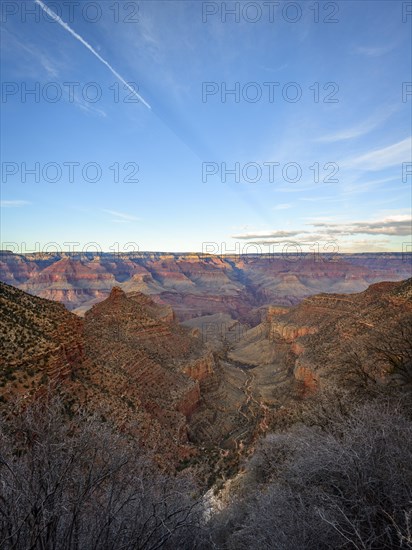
{"type": "Point", "coordinates": [306, 239]}
{"type": "Point", "coordinates": [268, 235]}
{"type": "Point", "coordinates": [82, 105]}
{"type": "Point", "coordinates": [322, 199]}
{"type": "Point", "coordinates": [323, 230]}
{"type": "Point", "coordinates": [27, 69]}
{"type": "Point", "coordinates": [393, 226]}
{"type": "Point", "coordinates": [378, 159]}
{"type": "Point", "coordinates": [121, 216]}
{"type": "Point", "coordinates": [360, 129]}
{"type": "Point", "coordinates": [13, 204]}
{"type": "Point", "coordinates": [373, 51]}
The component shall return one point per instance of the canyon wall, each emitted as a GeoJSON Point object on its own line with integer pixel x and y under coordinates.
{"type": "Point", "coordinates": [128, 360]}
{"type": "Point", "coordinates": [198, 284]}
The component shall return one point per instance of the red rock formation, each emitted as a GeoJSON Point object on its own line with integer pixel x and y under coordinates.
{"type": "Point", "coordinates": [288, 331]}
{"type": "Point", "coordinates": [201, 368]}
{"type": "Point", "coordinates": [128, 359]}
{"type": "Point", "coordinates": [327, 330]}
{"type": "Point", "coordinates": [307, 376]}
{"type": "Point", "coordinates": [330, 339]}
{"type": "Point", "coordinates": [189, 401]}
{"type": "Point", "coordinates": [195, 284]}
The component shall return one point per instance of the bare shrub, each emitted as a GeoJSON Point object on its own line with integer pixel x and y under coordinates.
{"type": "Point", "coordinates": [348, 487]}
{"type": "Point", "coordinates": [75, 484]}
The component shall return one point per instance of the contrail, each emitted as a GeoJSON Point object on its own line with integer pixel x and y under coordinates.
{"type": "Point", "coordinates": [80, 39]}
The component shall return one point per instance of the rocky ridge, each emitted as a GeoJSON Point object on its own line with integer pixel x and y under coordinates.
{"type": "Point", "coordinates": [332, 339]}
{"type": "Point", "coordinates": [128, 359]}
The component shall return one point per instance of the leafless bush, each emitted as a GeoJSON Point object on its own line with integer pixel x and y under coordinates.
{"type": "Point", "coordinates": [388, 352]}
{"type": "Point", "coordinates": [78, 485]}
{"type": "Point", "coordinates": [396, 352]}
{"type": "Point", "coordinates": [349, 487]}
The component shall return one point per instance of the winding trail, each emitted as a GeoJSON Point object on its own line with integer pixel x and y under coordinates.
{"type": "Point", "coordinates": [254, 412]}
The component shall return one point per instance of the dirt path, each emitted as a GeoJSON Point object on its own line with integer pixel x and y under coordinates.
{"type": "Point", "coordinates": [252, 410]}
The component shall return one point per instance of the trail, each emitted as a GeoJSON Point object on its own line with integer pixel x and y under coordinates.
{"type": "Point", "coordinates": [254, 412]}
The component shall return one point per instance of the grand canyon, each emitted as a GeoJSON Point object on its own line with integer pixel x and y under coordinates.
{"type": "Point", "coordinates": [251, 349]}
{"type": "Point", "coordinates": [198, 285]}
{"type": "Point", "coordinates": [205, 275]}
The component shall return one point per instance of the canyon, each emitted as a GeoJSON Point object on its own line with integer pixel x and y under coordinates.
{"type": "Point", "coordinates": [198, 285]}
{"type": "Point", "coordinates": [196, 397]}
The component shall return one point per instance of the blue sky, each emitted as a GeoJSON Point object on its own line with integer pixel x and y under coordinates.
{"type": "Point", "coordinates": [317, 118]}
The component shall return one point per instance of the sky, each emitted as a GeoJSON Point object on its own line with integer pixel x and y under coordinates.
{"type": "Point", "coordinates": [217, 127]}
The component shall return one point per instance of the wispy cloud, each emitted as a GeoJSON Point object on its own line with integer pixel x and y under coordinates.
{"type": "Point", "coordinates": [282, 206]}
{"type": "Point", "coordinates": [121, 217]}
{"type": "Point", "coordinates": [373, 51]}
{"type": "Point", "coordinates": [395, 226]}
{"type": "Point", "coordinates": [48, 65]}
{"type": "Point", "coordinates": [60, 21]}
{"type": "Point", "coordinates": [24, 67]}
{"type": "Point", "coordinates": [352, 188]}
{"type": "Point", "coordinates": [379, 159]}
{"type": "Point", "coordinates": [359, 129]}
{"type": "Point", "coordinates": [307, 239]}
{"type": "Point", "coordinates": [82, 105]}
{"type": "Point", "coordinates": [13, 204]}
{"type": "Point", "coordinates": [268, 235]}
{"type": "Point", "coordinates": [322, 199]}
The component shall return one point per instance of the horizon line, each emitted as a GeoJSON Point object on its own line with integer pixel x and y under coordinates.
{"type": "Point", "coordinates": [198, 253]}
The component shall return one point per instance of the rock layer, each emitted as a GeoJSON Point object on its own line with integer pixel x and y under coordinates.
{"type": "Point", "coordinates": [198, 284]}
{"type": "Point", "coordinates": [336, 339]}
{"type": "Point", "coordinates": [128, 359]}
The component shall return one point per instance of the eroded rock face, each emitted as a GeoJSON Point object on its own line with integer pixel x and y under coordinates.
{"type": "Point", "coordinates": [38, 334]}
{"type": "Point", "coordinates": [306, 375]}
{"type": "Point", "coordinates": [201, 368]}
{"type": "Point", "coordinates": [128, 359]}
{"type": "Point", "coordinates": [189, 401]}
{"type": "Point", "coordinates": [288, 331]}
{"type": "Point", "coordinates": [331, 338]}
{"type": "Point", "coordinates": [197, 284]}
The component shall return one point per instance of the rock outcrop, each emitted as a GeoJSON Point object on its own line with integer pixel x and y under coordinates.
{"type": "Point", "coordinates": [289, 331]}
{"type": "Point", "coordinates": [202, 368]}
{"type": "Point", "coordinates": [38, 336]}
{"type": "Point", "coordinates": [128, 359]}
{"type": "Point", "coordinates": [335, 339]}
